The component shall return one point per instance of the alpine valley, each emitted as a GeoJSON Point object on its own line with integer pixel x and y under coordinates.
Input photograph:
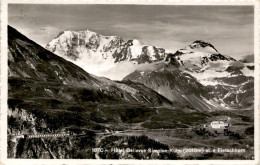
{"type": "Point", "coordinates": [86, 94]}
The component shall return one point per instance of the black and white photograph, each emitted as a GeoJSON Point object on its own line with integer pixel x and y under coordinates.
{"type": "Point", "coordinates": [131, 81]}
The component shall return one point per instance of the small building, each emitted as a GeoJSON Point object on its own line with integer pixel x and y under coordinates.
{"type": "Point", "coordinates": [20, 136]}
{"type": "Point", "coordinates": [219, 124]}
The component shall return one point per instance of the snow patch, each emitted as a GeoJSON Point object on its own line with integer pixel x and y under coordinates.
{"type": "Point", "coordinates": [247, 72]}
{"type": "Point", "coordinates": [136, 48]}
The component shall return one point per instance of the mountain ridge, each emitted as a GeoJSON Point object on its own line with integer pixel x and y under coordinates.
{"type": "Point", "coordinates": [98, 42]}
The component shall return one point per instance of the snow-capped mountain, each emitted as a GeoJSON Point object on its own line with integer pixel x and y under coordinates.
{"type": "Point", "coordinates": [199, 54]}
{"type": "Point", "coordinates": [97, 54]}
{"type": "Point", "coordinates": [203, 61]}
{"type": "Point", "coordinates": [229, 82]}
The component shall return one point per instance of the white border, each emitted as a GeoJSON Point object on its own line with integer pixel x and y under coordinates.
{"type": "Point", "coordinates": [141, 2]}
{"type": "Point", "coordinates": [257, 79]}
{"type": "Point", "coordinates": [4, 81]}
{"type": "Point", "coordinates": [3, 85]}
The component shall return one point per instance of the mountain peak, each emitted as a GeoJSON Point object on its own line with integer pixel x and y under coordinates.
{"type": "Point", "coordinates": [202, 44]}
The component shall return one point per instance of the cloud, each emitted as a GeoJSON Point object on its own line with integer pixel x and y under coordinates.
{"type": "Point", "coordinates": [118, 72]}
{"type": "Point", "coordinates": [124, 68]}
{"type": "Point", "coordinates": [248, 58]}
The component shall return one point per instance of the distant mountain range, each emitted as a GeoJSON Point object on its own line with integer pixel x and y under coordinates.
{"type": "Point", "coordinates": [197, 72]}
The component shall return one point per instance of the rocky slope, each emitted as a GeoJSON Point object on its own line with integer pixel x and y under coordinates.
{"type": "Point", "coordinates": [178, 86]}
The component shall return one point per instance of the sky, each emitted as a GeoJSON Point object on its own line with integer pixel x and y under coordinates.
{"type": "Point", "coordinates": [229, 28]}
